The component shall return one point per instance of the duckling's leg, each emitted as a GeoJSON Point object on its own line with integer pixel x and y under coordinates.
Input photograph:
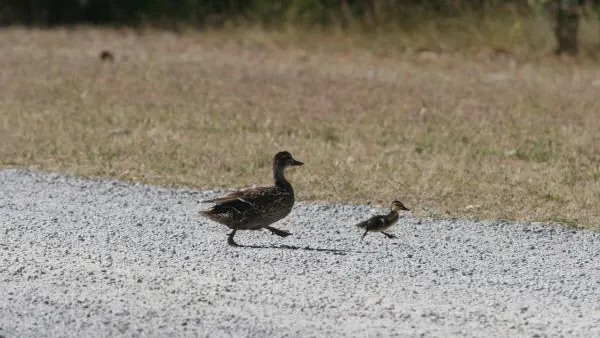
{"type": "Point", "coordinates": [389, 235]}
{"type": "Point", "coordinates": [230, 240]}
{"type": "Point", "coordinates": [363, 236]}
{"type": "Point", "coordinates": [278, 232]}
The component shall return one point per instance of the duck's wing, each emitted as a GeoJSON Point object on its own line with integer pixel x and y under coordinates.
{"type": "Point", "coordinates": [373, 222]}
{"type": "Point", "coordinates": [230, 197]}
{"type": "Point", "coordinates": [243, 200]}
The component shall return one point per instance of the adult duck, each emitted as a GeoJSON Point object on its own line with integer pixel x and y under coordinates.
{"type": "Point", "coordinates": [257, 208]}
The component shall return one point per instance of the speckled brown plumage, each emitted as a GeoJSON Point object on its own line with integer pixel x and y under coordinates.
{"type": "Point", "coordinates": [257, 208]}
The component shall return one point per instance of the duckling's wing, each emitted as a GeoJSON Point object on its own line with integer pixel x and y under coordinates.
{"type": "Point", "coordinates": [372, 222]}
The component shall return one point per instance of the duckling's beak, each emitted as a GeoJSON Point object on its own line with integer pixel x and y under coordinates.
{"type": "Point", "coordinates": [401, 207]}
{"type": "Point", "coordinates": [294, 162]}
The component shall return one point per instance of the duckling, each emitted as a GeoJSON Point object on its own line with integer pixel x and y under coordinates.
{"type": "Point", "coordinates": [380, 223]}
{"type": "Point", "coordinates": [257, 208]}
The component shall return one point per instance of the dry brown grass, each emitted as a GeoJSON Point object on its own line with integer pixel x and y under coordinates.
{"type": "Point", "coordinates": [450, 135]}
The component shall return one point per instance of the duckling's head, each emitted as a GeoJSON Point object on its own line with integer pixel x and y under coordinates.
{"type": "Point", "coordinates": [284, 159]}
{"type": "Point", "coordinates": [397, 205]}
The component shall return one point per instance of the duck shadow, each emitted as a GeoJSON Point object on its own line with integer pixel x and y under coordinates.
{"type": "Point", "coordinates": [305, 248]}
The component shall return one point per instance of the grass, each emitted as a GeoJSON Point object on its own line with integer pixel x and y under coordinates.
{"type": "Point", "coordinates": [451, 134]}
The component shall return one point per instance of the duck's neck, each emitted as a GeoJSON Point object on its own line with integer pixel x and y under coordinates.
{"type": "Point", "coordinates": [280, 180]}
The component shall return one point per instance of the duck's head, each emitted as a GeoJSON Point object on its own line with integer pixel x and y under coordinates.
{"type": "Point", "coordinates": [397, 205]}
{"type": "Point", "coordinates": [284, 159]}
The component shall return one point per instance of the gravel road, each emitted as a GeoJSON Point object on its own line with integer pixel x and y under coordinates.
{"type": "Point", "coordinates": [86, 258]}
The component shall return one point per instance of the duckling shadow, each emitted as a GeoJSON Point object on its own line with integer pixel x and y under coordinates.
{"type": "Point", "coordinates": [305, 248]}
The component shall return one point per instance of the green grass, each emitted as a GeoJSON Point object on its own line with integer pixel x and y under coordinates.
{"type": "Point", "coordinates": [470, 135]}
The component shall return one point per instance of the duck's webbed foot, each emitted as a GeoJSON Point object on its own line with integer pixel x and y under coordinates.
{"type": "Point", "coordinates": [281, 233]}
{"type": "Point", "coordinates": [389, 235]}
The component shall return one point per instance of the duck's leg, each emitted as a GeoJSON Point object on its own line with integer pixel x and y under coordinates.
{"type": "Point", "coordinates": [389, 235]}
{"type": "Point", "coordinates": [278, 232]}
{"type": "Point", "coordinates": [363, 236]}
{"type": "Point", "coordinates": [230, 240]}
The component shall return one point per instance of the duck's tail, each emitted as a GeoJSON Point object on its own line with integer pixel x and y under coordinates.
{"type": "Point", "coordinates": [361, 225]}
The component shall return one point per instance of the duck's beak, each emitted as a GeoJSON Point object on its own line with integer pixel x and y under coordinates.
{"type": "Point", "coordinates": [294, 162]}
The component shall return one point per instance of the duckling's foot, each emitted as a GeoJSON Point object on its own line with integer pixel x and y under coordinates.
{"type": "Point", "coordinates": [278, 232]}
{"type": "Point", "coordinates": [230, 240]}
{"type": "Point", "coordinates": [389, 235]}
